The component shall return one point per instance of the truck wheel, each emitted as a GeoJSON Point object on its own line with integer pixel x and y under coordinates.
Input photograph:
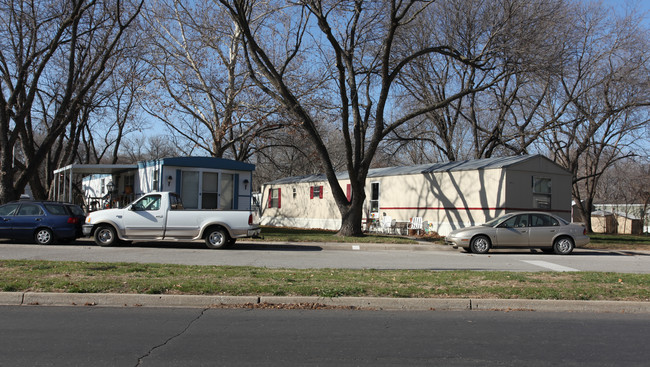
{"type": "Point", "coordinates": [105, 236]}
{"type": "Point", "coordinates": [216, 238]}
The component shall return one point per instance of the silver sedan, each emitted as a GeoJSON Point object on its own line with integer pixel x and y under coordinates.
{"type": "Point", "coordinates": [521, 230]}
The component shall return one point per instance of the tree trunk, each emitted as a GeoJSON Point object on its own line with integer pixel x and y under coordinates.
{"type": "Point", "coordinates": [351, 221]}
{"type": "Point", "coordinates": [7, 191]}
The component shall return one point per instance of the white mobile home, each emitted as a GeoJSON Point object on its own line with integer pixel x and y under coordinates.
{"type": "Point", "coordinates": [202, 182]}
{"type": "Point", "coordinates": [445, 195]}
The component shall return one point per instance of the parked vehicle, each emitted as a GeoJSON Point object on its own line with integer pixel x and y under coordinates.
{"type": "Point", "coordinates": [521, 230]}
{"type": "Point", "coordinates": [42, 221]}
{"type": "Point", "coordinates": [161, 216]}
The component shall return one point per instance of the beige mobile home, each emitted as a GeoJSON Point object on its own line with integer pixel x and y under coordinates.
{"type": "Point", "coordinates": [445, 195]}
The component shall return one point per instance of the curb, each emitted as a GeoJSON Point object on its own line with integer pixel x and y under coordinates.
{"type": "Point", "coordinates": [367, 303]}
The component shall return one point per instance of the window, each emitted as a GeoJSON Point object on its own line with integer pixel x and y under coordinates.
{"type": "Point", "coordinates": [275, 198]}
{"type": "Point", "coordinates": [295, 194]}
{"type": "Point", "coordinates": [541, 185]}
{"type": "Point", "coordinates": [55, 209]}
{"type": "Point", "coordinates": [543, 220]}
{"type": "Point", "coordinates": [175, 202]}
{"type": "Point", "coordinates": [209, 190]}
{"type": "Point", "coordinates": [154, 180]}
{"type": "Point", "coordinates": [542, 192]}
{"type": "Point", "coordinates": [374, 197]}
{"type": "Point", "coordinates": [316, 192]}
{"type": "Point", "coordinates": [129, 182]}
{"type": "Point", "coordinates": [8, 209]}
{"type": "Point", "coordinates": [516, 221]}
{"type": "Point", "coordinates": [151, 202]}
{"type": "Point", "coordinates": [30, 209]}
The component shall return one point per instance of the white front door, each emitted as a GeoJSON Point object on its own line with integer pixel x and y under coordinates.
{"type": "Point", "coordinates": [190, 189]}
{"type": "Point", "coordinates": [227, 191]}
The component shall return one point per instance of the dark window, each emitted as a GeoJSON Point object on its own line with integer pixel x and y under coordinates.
{"type": "Point", "coordinates": [76, 210]}
{"type": "Point", "coordinates": [30, 209]}
{"type": "Point", "coordinates": [316, 192]}
{"type": "Point", "coordinates": [55, 209]}
{"type": "Point", "coordinates": [175, 202]}
{"type": "Point", "coordinates": [374, 197]}
{"type": "Point", "coordinates": [8, 209]}
{"type": "Point", "coordinates": [543, 220]}
{"type": "Point", "coordinates": [542, 192]}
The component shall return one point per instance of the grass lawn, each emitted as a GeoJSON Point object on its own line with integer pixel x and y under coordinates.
{"type": "Point", "coordinates": [281, 234]}
{"type": "Point", "coordinates": [84, 277]}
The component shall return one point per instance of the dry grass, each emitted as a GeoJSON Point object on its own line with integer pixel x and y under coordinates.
{"type": "Point", "coordinates": [81, 277]}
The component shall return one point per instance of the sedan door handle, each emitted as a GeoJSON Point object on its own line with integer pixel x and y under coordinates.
{"type": "Point", "coordinates": [159, 216]}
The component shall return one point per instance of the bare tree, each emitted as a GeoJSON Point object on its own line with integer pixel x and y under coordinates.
{"type": "Point", "coordinates": [601, 104]}
{"type": "Point", "coordinates": [502, 119]}
{"type": "Point", "coordinates": [353, 52]}
{"type": "Point", "coordinates": [143, 148]}
{"type": "Point", "coordinates": [201, 89]}
{"type": "Point", "coordinates": [52, 54]}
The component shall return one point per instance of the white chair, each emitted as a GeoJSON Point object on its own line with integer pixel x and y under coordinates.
{"type": "Point", "coordinates": [416, 223]}
{"type": "Point", "coordinates": [386, 224]}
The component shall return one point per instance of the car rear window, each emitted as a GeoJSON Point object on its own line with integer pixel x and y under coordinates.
{"type": "Point", "coordinates": [55, 209]}
{"type": "Point", "coordinates": [76, 210]}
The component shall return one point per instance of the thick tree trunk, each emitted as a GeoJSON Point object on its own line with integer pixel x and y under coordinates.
{"type": "Point", "coordinates": [352, 214]}
{"type": "Point", "coordinates": [351, 222]}
{"type": "Point", "coordinates": [7, 190]}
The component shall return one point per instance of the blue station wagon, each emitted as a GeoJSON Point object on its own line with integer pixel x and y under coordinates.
{"type": "Point", "coordinates": [41, 221]}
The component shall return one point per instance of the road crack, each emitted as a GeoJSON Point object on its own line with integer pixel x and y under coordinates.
{"type": "Point", "coordinates": [150, 351]}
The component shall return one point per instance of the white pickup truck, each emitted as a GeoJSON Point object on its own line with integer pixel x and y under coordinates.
{"type": "Point", "coordinates": [161, 216]}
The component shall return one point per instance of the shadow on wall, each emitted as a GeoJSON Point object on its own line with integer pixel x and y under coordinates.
{"type": "Point", "coordinates": [454, 202]}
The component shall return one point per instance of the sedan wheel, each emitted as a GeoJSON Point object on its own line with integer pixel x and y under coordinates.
{"type": "Point", "coordinates": [563, 246]}
{"type": "Point", "coordinates": [480, 245]}
{"type": "Point", "coordinates": [44, 236]}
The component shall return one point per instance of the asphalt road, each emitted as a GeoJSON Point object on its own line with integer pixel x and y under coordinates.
{"type": "Point", "coordinates": [75, 336]}
{"type": "Point", "coordinates": [434, 257]}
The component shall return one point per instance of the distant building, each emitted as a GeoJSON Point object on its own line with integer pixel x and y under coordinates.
{"type": "Point", "coordinates": [202, 182]}
{"type": "Point", "coordinates": [446, 195]}
{"type": "Point", "coordinates": [630, 217]}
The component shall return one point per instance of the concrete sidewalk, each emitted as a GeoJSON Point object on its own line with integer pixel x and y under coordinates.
{"type": "Point", "coordinates": [366, 303]}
